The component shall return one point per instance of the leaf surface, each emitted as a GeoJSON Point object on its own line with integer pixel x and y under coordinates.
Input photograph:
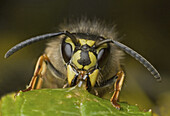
{"type": "Point", "coordinates": [63, 102]}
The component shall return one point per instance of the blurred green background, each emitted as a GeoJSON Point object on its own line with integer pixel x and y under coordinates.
{"type": "Point", "coordinates": [144, 25]}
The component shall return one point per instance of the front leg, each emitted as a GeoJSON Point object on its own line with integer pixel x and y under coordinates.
{"type": "Point", "coordinates": [40, 69]}
{"type": "Point", "coordinates": [37, 74]}
{"type": "Point", "coordinates": [117, 88]}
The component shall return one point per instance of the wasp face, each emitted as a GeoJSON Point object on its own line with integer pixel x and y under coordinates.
{"type": "Point", "coordinates": [83, 59]}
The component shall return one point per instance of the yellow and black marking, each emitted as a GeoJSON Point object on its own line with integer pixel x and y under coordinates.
{"type": "Point", "coordinates": [82, 63]}
{"type": "Point", "coordinates": [93, 77]}
{"type": "Point", "coordinates": [86, 42]}
{"type": "Point", "coordinates": [84, 56]}
{"type": "Point", "coordinates": [71, 74]}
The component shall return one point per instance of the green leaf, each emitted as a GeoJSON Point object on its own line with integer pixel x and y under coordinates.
{"type": "Point", "coordinates": [63, 102]}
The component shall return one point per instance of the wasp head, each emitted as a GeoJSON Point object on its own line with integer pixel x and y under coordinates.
{"type": "Point", "coordinates": [83, 58]}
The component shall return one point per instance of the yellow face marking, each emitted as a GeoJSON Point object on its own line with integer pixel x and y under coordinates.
{"type": "Point", "coordinates": [92, 59]}
{"type": "Point", "coordinates": [68, 40]}
{"type": "Point", "coordinates": [90, 42]}
{"type": "Point", "coordinates": [86, 41]}
{"type": "Point", "coordinates": [101, 46]}
{"type": "Point", "coordinates": [82, 41]}
{"type": "Point", "coordinates": [75, 58]}
{"type": "Point", "coordinates": [70, 74]}
{"type": "Point", "coordinates": [93, 77]}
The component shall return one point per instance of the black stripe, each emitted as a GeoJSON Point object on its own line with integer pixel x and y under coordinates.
{"type": "Point", "coordinates": [84, 58]}
{"type": "Point", "coordinates": [73, 82]}
{"type": "Point", "coordinates": [88, 84]}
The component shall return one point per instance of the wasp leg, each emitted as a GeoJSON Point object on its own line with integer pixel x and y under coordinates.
{"type": "Point", "coordinates": [39, 70]}
{"type": "Point", "coordinates": [37, 74]}
{"type": "Point", "coordinates": [117, 88]}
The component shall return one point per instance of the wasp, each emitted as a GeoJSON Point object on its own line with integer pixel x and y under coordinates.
{"type": "Point", "coordinates": [86, 54]}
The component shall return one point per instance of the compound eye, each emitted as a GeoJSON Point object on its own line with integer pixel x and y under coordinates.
{"type": "Point", "coordinates": [66, 51]}
{"type": "Point", "coordinates": [103, 56]}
